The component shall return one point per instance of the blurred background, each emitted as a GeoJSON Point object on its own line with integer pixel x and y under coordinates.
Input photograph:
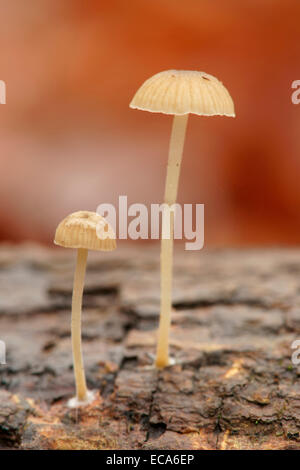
{"type": "Point", "coordinates": [69, 140]}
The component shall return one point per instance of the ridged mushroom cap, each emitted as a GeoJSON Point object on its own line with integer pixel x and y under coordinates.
{"type": "Point", "coordinates": [183, 92]}
{"type": "Point", "coordinates": [84, 229]}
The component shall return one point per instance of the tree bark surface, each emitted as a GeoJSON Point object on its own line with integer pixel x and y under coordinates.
{"type": "Point", "coordinates": [234, 386]}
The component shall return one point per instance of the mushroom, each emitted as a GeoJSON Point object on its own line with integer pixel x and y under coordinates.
{"type": "Point", "coordinates": [178, 93]}
{"type": "Point", "coordinates": [84, 231]}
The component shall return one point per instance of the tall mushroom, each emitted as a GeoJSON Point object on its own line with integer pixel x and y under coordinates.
{"type": "Point", "coordinates": [84, 231]}
{"type": "Point", "coordinates": [178, 93]}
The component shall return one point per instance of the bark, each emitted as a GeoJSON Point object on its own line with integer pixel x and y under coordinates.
{"type": "Point", "coordinates": [234, 386]}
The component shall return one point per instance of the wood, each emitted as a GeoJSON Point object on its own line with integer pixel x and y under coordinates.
{"type": "Point", "coordinates": [236, 314]}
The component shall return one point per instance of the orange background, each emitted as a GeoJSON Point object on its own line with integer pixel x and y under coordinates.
{"type": "Point", "coordinates": [69, 140]}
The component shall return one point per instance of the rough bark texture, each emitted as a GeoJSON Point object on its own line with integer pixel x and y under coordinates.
{"type": "Point", "coordinates": [236, 314]}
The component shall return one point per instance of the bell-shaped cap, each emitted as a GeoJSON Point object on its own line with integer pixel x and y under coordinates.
{"type": "Point", "coordinates": [84, 229]}
{"type": "Point", "coordinates": [182, 92]}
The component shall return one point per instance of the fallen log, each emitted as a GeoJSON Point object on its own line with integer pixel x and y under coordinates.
{"type": "Point", "coordinates": [234, 385]}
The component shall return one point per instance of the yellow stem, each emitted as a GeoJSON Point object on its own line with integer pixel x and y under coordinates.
{"type": "Point", "coordinates": [81, 389]}
{"type": "Point", "coordinates": [166, 256]}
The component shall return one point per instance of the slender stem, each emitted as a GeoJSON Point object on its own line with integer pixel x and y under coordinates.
{"type": "Point", "coordinates": [81, 389]}
{"type": "Point", "coordinates": [166, 256]}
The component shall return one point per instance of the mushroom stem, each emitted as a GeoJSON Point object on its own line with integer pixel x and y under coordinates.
{"type": "Point", "coordinates": [166, 256]}
{"type": "Point", "coordinates": [81, 389]}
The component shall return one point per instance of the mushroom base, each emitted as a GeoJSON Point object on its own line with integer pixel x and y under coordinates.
{"type": "Point", "coordinates": [75, 403]}
{"type": "Point", "coordinates": [171, 362]}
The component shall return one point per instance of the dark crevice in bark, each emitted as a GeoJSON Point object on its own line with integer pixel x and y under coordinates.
{"type": "Point", "coordinates": [189, 305]}
{"type": "Point", "coordinates": [154, 429]}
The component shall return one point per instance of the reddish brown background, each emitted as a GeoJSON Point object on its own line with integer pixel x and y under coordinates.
{"type": "Point", "coordinates": [69, 140]}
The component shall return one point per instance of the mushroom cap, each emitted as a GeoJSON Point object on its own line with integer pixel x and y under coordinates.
{"type": "Point", "coordinates": [83, 229]}
{"type": "Point", "coordinates": [182, 92]}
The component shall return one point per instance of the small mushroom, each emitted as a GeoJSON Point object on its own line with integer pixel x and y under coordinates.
{"type": "Point", "coordinates": [178, 93]}
{"type": "Point", "coordinates": [84, 231]}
